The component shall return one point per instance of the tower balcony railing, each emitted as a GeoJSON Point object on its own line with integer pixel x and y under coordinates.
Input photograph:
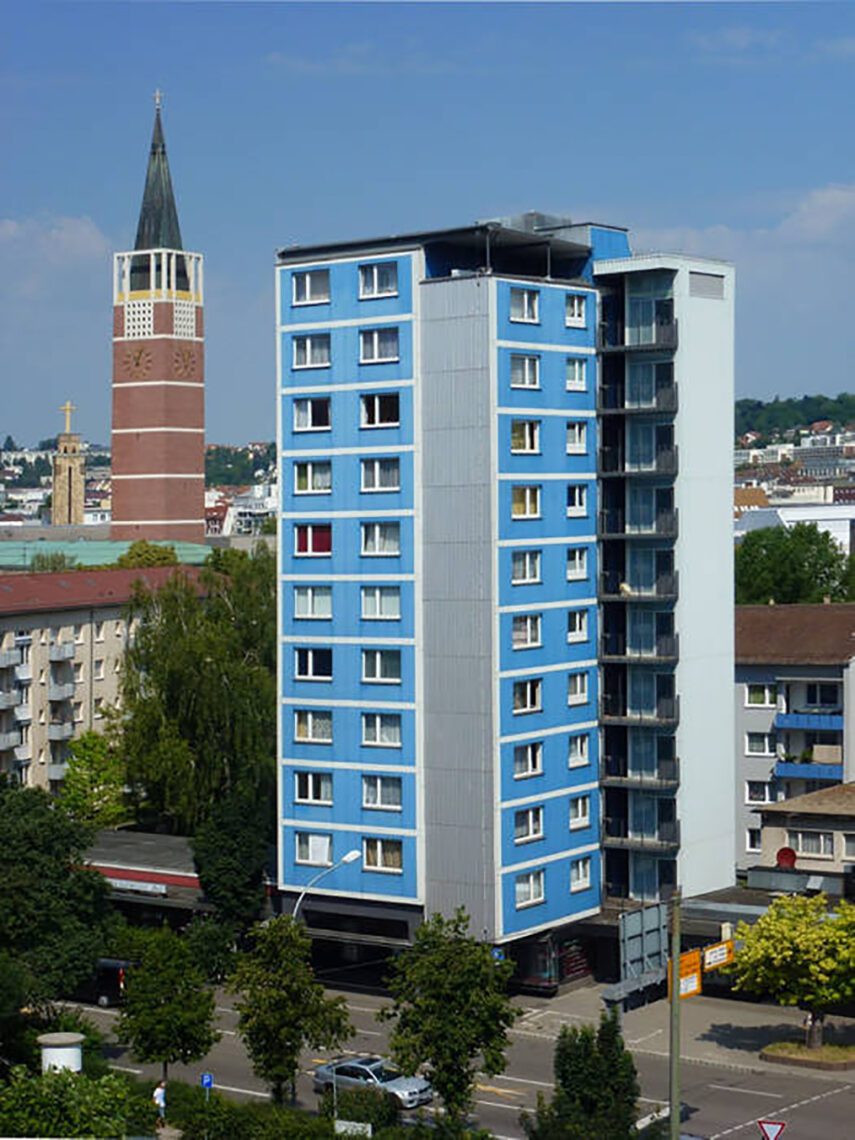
{"type": "Point", "coordinates": [157, 275]}
{"type": "Point", "coordinates": [658, 337]}
{"type": "Point", "coordinates": [613, 398]}
{"type": "Point", "coordinates": [614, 461]}
{"type": "Point", "coordinates": [663, 837]}
{"type": "Point", "coordinates": [616, 772]}
{"type": "Point", "coordinates": [617, 647]}
{"type": "Point", "coordinates": [614, 587]}
{"type": "Point", "coordinates": [615, 710]}
{"type": "Point", "coordinates": [614, 523]}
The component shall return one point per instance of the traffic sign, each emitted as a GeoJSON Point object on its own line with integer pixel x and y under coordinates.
{"type": "Point", "coordinates": [718, 955]}
{"type": "Point", "coordinates": [690, 974]}
{"type": "Point", "coordinates": [771, 1129]}
{"type": "Point", "coordinates": [498, 953]}
{"type": "Point", "coordinates": [207, 1080]}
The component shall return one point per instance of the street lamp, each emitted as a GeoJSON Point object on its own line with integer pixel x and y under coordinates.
{"type": "Point", "coordinates": [350, 857]}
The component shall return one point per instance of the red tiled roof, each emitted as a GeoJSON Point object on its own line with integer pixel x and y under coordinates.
{"type": "Point", "coordinates": [80, 589]}
{"type": "Point", "coordinates": [795, 635]}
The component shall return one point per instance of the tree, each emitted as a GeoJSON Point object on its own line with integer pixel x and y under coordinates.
{"type": "Point", "coordinates": [56, 926]}
{"type": "Point", "coordinates": [212, 947]}
{"type": "Point", "coordinates": [53, 563]}
{"type": "Point", "coordinates": [450, 1009]}
{"type": "Point", "coordinates": [9, 444]}
{"type": "Point", "coordinates": [282, 1008]}
{"type": "Point", "coordinates": [142, 554]}
{"type": "Point", "coordinates": [72, 1104]}
{"type": "Point", "coordinates": [800, 953]}
{"type": "Point", "coordinates": [230, 853]}
{"type": "Point", "coordinates": [800, 565]}
{"type": "Point", "coordinates": [93, 790]}
{"type": "Point", "coordinates": [168, 1012]}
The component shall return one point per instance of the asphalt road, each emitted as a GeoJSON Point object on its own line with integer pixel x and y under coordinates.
{"type": "Point", "coordinates": [722, 1100]}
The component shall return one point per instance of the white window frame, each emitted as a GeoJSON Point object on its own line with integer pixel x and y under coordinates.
{"type": "Point", "coordinates": [369, 535]}
{"type": "Point", "coordinates": [315, 292]}
{"type": "Point", "coordinates": [577, 688]}
{"type": "Point", "coordinates": [768, 750]}
{"type": "Point", "coordinates": [575, 375]}
{"type": "Point", "coordinates": [577, 500]}
{"type": "Point", "coordinates": [529, 306]}
{"type": "Point", "coordinates": [580, 813]}
{"type": "Point", "coordinates": [311, 344]}
{"type": "Point", "coordinates": [578, 750]}
{"type": "Point", "coordinates": [372, 468]}
{"type": "Point", "coordinates": [315, 785]}
{"type": "Point", "coordinates": [309, 402]}
{"type": "Point", "coordinates": [749, 844]}
{"type": "Point", "coordinates": [848, 845]}
{"type": "Point", "coordinates": [312, 594]}
{"type": "Point", "coordinates": [374, 400]}
{"type": "Point", "coordinates": [382, 846]}
{"type": "Point", "coordinates": [577, 626]}
{"type": "Point", "coordinates": [575, 309]}
{"type": "Point", "coordinates": [311, 651]}
{"type": "Point", "coordinates": [99, 630]}
{"type": "Point", "coordinates": [370, 344]}
{"type": "Point", "coordinates": [530, 693]}
{"type": "Point", "coordinates": [373, 664]}
{"type": "Point", "coordinates": [313, 856]}
{"type": "Point", "coordinates": [378, 593]}
{"type": "Point", "coordinates": [98, 708]}
{"type": "Point", "coordinates": [577, 437]}
{"type": "Point", "coordinates": [312, 468]}
{"type": "Point", "coordinates": [530, 431]}
{"type": "Point", "coordinates": [377, 719]}
{"type": "Point", "coordinates": [769, 694]}
{"type": "Point", "coordinates": [378, 783]}
{"type": "Point", "coordinates": [308, 552]}
{"type": "Point", "coordinates": [528, 824]}
{"type": "Point", "coordinates": [577, 554]}
{"type": "Point", "coordinates": [98, 669]}
{"type": "Point", "coordinates": [767, 798]}
{"type": "Point", "coordinates": [368, 280]}
{"type": "Point", "coordinates": [524, 370]}
{"type": "Point", "coordinates": [311, 719]}
{"type": "Point", "coordinates": [533, 888]}
{"type": "Point", "coordinates": [795, 839]}
{"type": "Point", "coordinates": [527, 496]}
{"type": "Point", "coordinates": [526, 631]}
{"type": "Point", "coordinates": [580, 874]}
{"type": "Point", "coordinates": [531, 560]}
{"type": "Point", "coordinates": [530, 757]}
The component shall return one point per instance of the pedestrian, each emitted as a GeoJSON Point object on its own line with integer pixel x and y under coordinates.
{"type": "Point", "coordinates": [159, 1098]}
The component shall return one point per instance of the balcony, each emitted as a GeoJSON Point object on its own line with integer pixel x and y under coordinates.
{"type": "Point", "coordinates": [24, 671]}
{"type": "Point", "coordinates": [9, 740]}
{"type": "Point", "coordinates": [24, 753]}
{"type": "Point", "coordinates": [613, 399]}
{"type": "Point", "coordinates": [60, 730]}
{"type": "Point", "coordinates": [614, 647]}
{"type": "Point", "coordinates": [60, 692]}
{"type": "Point", "coordinates": [612, 461]}
{"type": "Point", "coordinates": [665, 713]}
{"type": "Point", "coordinates": [617, 834]}
{"type": "Point", "coordinates": [658, 337]}
{"type": "Point", "coordinates": [798, 769]}
{"type": "Point", "coordinates": [61, 651]}
{"type": "Point", "coordinates": [9, 657]}
{"type": "Point", "coordinates": [811, 720]}
{"type": "Point", "coordinates": [23, 713]}
{"type": "Point", "coordinates": [614, 523]}
{"type": "Point", "coordinates": [10, 699]}
{"type": "Point", "coordinates": [614, 588]}
{"type": "Point", "coordinates": [616, 773]}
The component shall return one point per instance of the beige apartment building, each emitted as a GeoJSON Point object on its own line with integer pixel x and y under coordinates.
{"type": "Point", "coordinates": [62, 640]}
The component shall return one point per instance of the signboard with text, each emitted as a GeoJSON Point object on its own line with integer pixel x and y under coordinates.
{"type": "Point", "coordinates": [690, 974]}
{"type": "Point", "coordinates": [718, 955]}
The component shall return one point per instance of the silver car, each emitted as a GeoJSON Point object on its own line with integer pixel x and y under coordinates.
{"type": "Point", "coordinates": [372, 1073]}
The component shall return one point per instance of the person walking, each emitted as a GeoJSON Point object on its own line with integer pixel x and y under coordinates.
{"type": "Point", "coordinates": [159, 1098]}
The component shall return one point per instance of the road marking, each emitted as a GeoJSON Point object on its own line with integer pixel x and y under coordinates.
{"type": "Point", "coordinates": [497, 1091]}
{"type": "Point", "coordinates": [365, 1008]}
{"type": "Point", "coordinates": [523, 1080]}
{"type": "Point", "coordinates": [646, 1037]}
{"type": "Point", "coordinates": [750, 1092]}
{"type": "Point", "coordinates": [225, 1009]}
{"type": "Point", "coordinates": [227, 1032]}
{"type": "Point", "coordinates": [368, 1033]}
{"type": "Point", "coordinates": [126, 1069]}
{"type": "Point", "coordinates": [247, 1092]}
{"type": "Point", "coordinates": [780, 1111]}
{"type": "Point", "coordinates": [498, 1104]}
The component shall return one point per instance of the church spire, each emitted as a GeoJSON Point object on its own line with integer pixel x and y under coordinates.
{"type": "Point", "coordinates": [158, 225]}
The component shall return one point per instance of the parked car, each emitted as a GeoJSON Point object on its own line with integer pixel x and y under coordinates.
{"type": "Point", "coordinates": [376, 1073]}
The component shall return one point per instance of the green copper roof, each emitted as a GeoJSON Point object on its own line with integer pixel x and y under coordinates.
{"type": "Point", "coordinates": [158, 225]}
{"type": "Point", "coordinates": [17, 555]}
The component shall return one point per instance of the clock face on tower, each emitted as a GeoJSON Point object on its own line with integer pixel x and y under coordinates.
{"type": "Point", "coordinates": [184, 361]}
{"type": "Point", "coordinates": [138, 361]}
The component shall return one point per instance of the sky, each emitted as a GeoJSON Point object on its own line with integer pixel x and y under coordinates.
{"type": "Point", "coordinates": [723, 130]}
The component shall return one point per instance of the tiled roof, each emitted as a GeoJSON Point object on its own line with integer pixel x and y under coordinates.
{"type": "Point", "coordinates": [795, 635]}
{"type": "Point", "coordinates": [79, 589]}
{"type": "Point", "coordinates": [839, 799]}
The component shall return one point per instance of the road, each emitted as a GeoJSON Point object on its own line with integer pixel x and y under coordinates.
{"type": "Point", "coordinates": [722, 1099]}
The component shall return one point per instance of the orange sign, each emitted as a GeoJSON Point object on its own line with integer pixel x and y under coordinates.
{"type": "Point", "coordinates": [718, 955]}
{"type": "Point", "coordinates": [690, 974]}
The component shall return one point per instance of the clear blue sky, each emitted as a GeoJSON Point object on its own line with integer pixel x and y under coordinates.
{"type": "Point", "coordinates": [719, 129]}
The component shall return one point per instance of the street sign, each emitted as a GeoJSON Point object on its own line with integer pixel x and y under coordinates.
{"type": "Point", "coordinates": [771, 1129]}
{"type": "Point", "coordinates": [498, 954]}
{"type": "Point", "coordinates": [207, 1080]}
{"type": "Point", "coordinates": [690, 974]}
{"type": "Point", "coordinates": [718, 955]}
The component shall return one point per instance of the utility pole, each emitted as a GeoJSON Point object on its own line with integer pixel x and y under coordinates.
{"type": "Point", "coordinates": [674, 1042]}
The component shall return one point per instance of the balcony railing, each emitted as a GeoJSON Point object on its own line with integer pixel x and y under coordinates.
{"type": "Point", "coordinates": [617, 833]}
{"type": "Point", "coordinates": [811, 720]}
{"type": "Point", "coordinates": [614, 523]}
{"type": "Point", "coordinates": [614, 646]}
{"type": "Point", "coordinates": [23, 713]}
{"type": "Point", "coordinates": [614, 398]}
{"type": "Point", "coordinates": [61, 651]}
{"type": "Point", "coordinates": [60, 692]}
{"type": "Point", "coordinates": [661, 336]}
{"type": "Point", "coordinates": [613, 461]}
{"type": "Point", "coordinates": [615, 772]}
{"type": "Point", "coordinates": [24, 671]}
{"type": "Point", "coordinates": [10, 699]}
{"type": "Point", "coordinates": [9, 740]}
{"type": "Point", "coordinates": [615, 587]}
{"type": "Point", "coordinates": [808, 770]}
{"type": "Point", "coordinates": [60, 730]}
{"type": "Point", "coordinates": [614, 710]}
{"type": "Point", "coordinates": [24, 752]}
{"type": "Point", "coordinates": [9, 657]}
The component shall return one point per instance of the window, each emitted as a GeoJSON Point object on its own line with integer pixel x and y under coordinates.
{"type": "Point", "coordinates": [314, 848]}
{"type": "Point", "coordinates": [823, 694]}
{"type": "Point", "coordinates": [525, 371]}
{"type": "Point", "coordinates": [525, 437]}
{"type": "Point", "coordinates": [849, 846]}
{"type": "Point", "coordinates": [381, 409]}
{"type": "Point", "coordinates": [527, 696]}
{"type": "Point", "coordinates": [760, 743]}
{"type": "Point", "coordinates": [312, 602]}
{"type": "Point", "coordinates": [577, 563]}
{"type": "Point", "coordinates": [524, 305]}
{"type": "Point", "coordinates": [379, 279]}
{"type": "Point", "coordinates": [313, 726]}
{"type": "Point", "coordinates": [379, 792]}
{"type": "Point", "coordinates": [311, 287]}
{"type": "Point", "coordinates": [577, 751]}
{"type": "Point", "coordinates": [819, 844]}
{"type": "Point", "coordinates": [313, 787]}
{"type": "Point", "coordinates": [377, 346]}
{"type": "Point", "coordinates": [765, 695]}
{"type": "Point", "coordinates": [752, 839]}
{"type": "Point", "coordinates": [99, 669]}
{"type": "Point", "coordinates": [381, 540]}
{"type": "Point", "coordinates": [77, 711]}
{"type": "Point", "coordinates": [525, 567]}
{"type": "Point", "coordinates": [119, 629]}
{"type": "Point", "coordinates": [577, 625]}
{"type": "Point", "coordinates": [382, 666]}
{"type": "Point", "coordinates": [98, 710]}
{"type": "Point", "coordinates": [381, 475]}
{"type": "Point", "coordinates": [577, 497]}
{"type": "Point", "coordinates": [78, 634]}
{"type": "Point", "coordinates": [580, 812]}
{"type": "Point", "coordinates": [383, 855]}
{"type": "Point", "coordinates": [525, 501]}
{"type": "Point", "coordinates": [312, 415]}
{"type": "Point", "coordinates": [99, 631]}
{"type": "Point", "coordinates": [574, 374]}
{"type": "Point", "coordinates": [312, 351]}
{"type": "Point", "coordinates": [78, 672]}
{"type": "Point", "coordinates": [528, 824]}
{"type": "Point", "coordinates": [381, 603]}
{"type": "Point", "coordinates": [313, 664]}
{"type": "Point", "coordinates": [576, 437]}
{"type": "Point", "coordinates": [312, 478]}
{"type": "Point", "coordinates": [382, 730]}
{"type": "Point", "coordinates": [526, 631]}
{"type": "Point", "coordinates": [313, 539]}
{"type": "Point", "coordinates": [574, 310]}
{"type": "Point", "coordinates": [580, 874]}
{"type": "Point", "coordinates": [577, 688]}
{"type": "Point", "coordinates": [528, 889]}
{"type": "Point", "coordinates": [758, 792]}
{"type": "Point", "coordinates": [528, 760]}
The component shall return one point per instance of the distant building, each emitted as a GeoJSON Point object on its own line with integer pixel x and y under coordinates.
{"type": "Point", "coordinates": [807, 844]}
{"type": "Point", "coordinates": [67, 495]}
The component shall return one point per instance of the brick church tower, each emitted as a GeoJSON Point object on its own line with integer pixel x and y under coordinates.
{"type": "Point", "coordinates": [158, 440]}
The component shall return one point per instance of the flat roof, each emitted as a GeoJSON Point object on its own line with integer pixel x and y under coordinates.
{"type": "Point", "coordinates": [795, 635]}
{"type": "Point", "coordinates": [142, 849]}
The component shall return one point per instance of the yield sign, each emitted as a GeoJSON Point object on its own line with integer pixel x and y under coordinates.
{"type": "Point", "coordinates": [771, 1129]}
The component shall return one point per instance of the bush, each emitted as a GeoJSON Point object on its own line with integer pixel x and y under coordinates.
{"type": "Point", "coordinates": [72, 1104]}
{"type": "Point", "coordinates": [222, 1119]}
{"type": "Point", "coordinates": [367, 1106]}
{"type": "Point", "coordinates": [66, 1021]}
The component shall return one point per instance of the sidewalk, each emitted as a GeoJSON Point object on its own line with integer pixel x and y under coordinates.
{"type": "Point", "coordinates": [713, 1029]}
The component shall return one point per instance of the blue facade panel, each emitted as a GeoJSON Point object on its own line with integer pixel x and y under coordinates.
{"type": "Point", "coordinates": [811, 722]}
{"type": "Point", "coordinates": [347, 428]}
{"type": "Point", "coordinates": [556, 772]}
{"type": "Point", "coordinates": [786, 770]}
{"type": "Point", "coordinates": [552, 432]}
{"type": "Point", "coordinates": [557, 835]}
{"type": "Point", "coordinates": [347, 801]}
{"type": "Point", "coordinates": [347, 479]}
{"type": "Point", "coordinates": [554, 582]}
{"type": "Point", "coordinates": [346, 553]}
{"type": "Point", "coordinates": [347, 608]}
{"type": "Point", "coordinates": [344, 300]}
{"type": "Point", "coordinates": [355, 878]}
{"type": "Point", "coordinates": [347, 729]}
{"type": "Point", "coordinates": [552, 518]}
{"type": "Point", "coordinates": [550, 325]}
{"type": "Point", "coordinates": [552, 374]}
{"type": "Point", "coordinates": [345, 365]}
{"type": "Point", "coordinates": [347, 674]}
{"type": "Point", "coordinates": [554, 647]}
{"type": "Point", "coordinates": [559, 902]}
{"type": "Point", "coordinates": [554, 709]}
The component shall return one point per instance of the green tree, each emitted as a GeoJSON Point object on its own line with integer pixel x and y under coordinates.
{"type": "Point", "coordinates": [9, 444]}
{"type": "Point", "coordinates": [93, 790]}
{"type": "Point", "coordinates": [51, 563]}
{"type": "Point", "coordinates": [72, 1104]}
{"type": "Point", "coordinates": [56, 923]}
{"type": "Point", "coordinates": [168, 1012]}
{"type": "Point", "coordinates": [212, 947]}
{"type": "Point", "coordinates": [142, 554]}
{"type": "Point", "coordinates": [803, 564]}
{"type": "Point", "coordinates": [282, 1008]}
{"type": "Point", "coordinates": [800, 953]}
{"type": "Point", "coordinates": [450, 1009]}
{"type": "Point", "coordinates": [230, 852]}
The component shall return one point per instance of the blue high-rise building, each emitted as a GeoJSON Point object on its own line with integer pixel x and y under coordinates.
{"type": "Point", "coordinates": [479, 557]}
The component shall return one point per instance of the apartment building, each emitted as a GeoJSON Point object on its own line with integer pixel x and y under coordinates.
{"type": "Point", "coordinates": [488, 552]}
{"type": "Point", "coordinates": [62, 640]}
{"type": "Point", "coordinates": [794, 695]}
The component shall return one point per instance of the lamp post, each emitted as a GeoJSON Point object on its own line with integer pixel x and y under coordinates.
{"type": "Point", "coordinates": [350, 857]}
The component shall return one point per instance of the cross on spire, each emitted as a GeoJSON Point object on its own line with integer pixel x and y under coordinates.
{"type": "Point", "coordinates": [158, 99]}
{"type": "Point", "coordinates": [68, 408]}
